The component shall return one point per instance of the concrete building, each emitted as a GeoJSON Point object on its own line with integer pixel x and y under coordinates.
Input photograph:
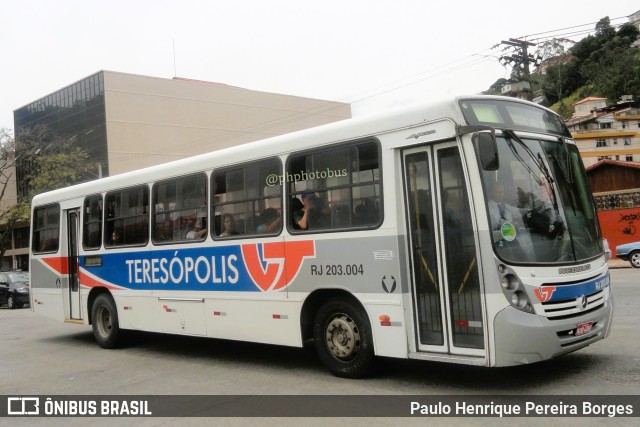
{"type": "Point", "coordinates": [128, 122]}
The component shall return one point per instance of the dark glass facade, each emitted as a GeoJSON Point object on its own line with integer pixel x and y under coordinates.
{"type": "Point", "coordinates": [75, 113]}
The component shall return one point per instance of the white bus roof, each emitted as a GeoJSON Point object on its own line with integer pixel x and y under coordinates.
{"type": "Point", "coordinates": [345, 130]}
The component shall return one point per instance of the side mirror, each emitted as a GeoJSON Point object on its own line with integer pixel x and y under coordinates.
{"type": "Point", "coordinates": [487, 150]}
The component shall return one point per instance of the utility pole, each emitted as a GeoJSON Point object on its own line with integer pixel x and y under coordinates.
{"type": "Point", "coordinates": [520, 60]}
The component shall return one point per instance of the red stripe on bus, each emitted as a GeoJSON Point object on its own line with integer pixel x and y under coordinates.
{"type": "Point", "coordinates": [90, 282]}
{"type": "Point", "coordinates": [59, 264]}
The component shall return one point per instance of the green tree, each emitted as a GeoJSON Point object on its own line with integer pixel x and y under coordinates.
{"type": "Point", "coordinates": [604, 64]}
{"type": "Point", "coordinates": [7, 199]}
{"type": "Point", "coordinates": [496, 88]}
{"type": "Point", "coordinates": [52, 162]}
{"type": "Point", "coordinates": [614, 68]}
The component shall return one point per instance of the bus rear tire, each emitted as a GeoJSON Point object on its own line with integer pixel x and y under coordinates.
{"type": "Point", "coordinates": [342, 336]}
{"type": "Point", "coordinates": [104, 315]}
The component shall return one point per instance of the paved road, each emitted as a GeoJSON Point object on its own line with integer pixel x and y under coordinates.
{"type": "Point", "coordinates": [43, 357]}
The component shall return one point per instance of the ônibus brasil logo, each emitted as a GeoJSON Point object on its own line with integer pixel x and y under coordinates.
{"type": "Point", "coordinates": [277, 264]}
{"type": "Point", "coordinates": [544, 293]}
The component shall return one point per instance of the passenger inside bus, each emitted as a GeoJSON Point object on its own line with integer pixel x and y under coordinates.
{"type": "Point", "coordinates": [301, 216]}
{"type": "Point", "coordinates": [115, 238]}
{"type": "Point", "coordinates": [198, 229]}
{"type": "Point", "coordinates": [294, 205]}
{"type": "Point", "coordinates": [270, 221]}
{"type": "Point", "coordinates": [229, 224]}
{"type": "Point", "coordinates": [166, 233]}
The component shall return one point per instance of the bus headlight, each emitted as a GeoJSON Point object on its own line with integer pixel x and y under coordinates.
{"type": "Point", "coordinates": [519, 300]}
{"type": "Point", "coordinates": [510, 282]}
{"type": "Point", "coordinates": [514, 292]}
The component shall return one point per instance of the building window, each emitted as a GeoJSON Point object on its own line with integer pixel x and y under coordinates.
{"type": "Point", "coordinates": [629, 157]}
{"type": "Point", "coordinates": [624, 125]}
{"type": "Point", "coordinates": [601, 143]}
{"type": "Point", "coordinates": [604, 158]}
{"type": "Point", "coordinates": [627, 141]}
{"type": "Point", "coordinates": [605, 125]}
{"type": "Point", "coordinates": [615, 141]}
{"type": "Point", "coordinates": [21, 238]}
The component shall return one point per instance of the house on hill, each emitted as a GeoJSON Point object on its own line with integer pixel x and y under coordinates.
{"type": "Point", "coordinates": [606, 132]}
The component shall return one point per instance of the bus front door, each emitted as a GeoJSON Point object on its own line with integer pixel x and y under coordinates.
{"type": "Point", "coordinates": [447, 298]}
{"type": "Point", "coordinates": [71, 283]}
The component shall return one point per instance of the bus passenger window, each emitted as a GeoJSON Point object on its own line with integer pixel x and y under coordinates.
{"type": "Point", "coordinates": [335, 188]}
{"type": "Point", "coordinates": [127, 219]}
{"type": "Point", "coordinates": [180, 209]}
{"type": "Point", "coordinates": [247, 201]}
{"type": "Point", "coordinates": [92, 222]}
{"type": "Point", "coordinates": [46, 230]}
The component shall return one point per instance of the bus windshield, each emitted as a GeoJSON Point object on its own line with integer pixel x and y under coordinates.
{"type": "Point", "coordinates": [539, 205]}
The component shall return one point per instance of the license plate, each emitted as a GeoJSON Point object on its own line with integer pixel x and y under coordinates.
{"type": "Point", "coordinates": [583, 328]}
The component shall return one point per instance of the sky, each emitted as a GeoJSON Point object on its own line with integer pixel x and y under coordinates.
{"type": "Point", "coordinates": [374, 54]}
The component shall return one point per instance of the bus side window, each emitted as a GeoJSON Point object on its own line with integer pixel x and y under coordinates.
{"type": "Point", "coordinates": [180, 209]}
{"type": "Point", "coordinates": [343, 184]}
{"type": "Point", "coordinates": [92, 222]}
{"type": "Point", "coordinates": [127, 219]}
{"type": "Point", "coordinates": [46, 229]}
{"type": "Point", "coordinates": [247, 200]}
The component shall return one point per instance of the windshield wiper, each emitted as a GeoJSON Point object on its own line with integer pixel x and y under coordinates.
{"type": "Point", "coordinates": [537, 161]}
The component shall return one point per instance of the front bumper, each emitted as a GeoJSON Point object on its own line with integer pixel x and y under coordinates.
{"type": "Point", "coordinates": [522, 338]}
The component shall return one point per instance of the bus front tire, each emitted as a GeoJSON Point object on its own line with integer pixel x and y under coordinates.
{"type": "Point", "coordinates": [106, 329]}
{"type": "Point", "coordinates": [342, 336]}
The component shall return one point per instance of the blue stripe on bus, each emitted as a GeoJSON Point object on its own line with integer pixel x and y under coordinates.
{"type": "Point", "coordinates": [567, 292]}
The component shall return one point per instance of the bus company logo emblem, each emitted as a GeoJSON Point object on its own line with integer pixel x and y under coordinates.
{"type": "Point", "coordinates": [544, 293]}
{"type": "Point", "coordinates": [584, 302]}
{"type": "Point", "coordinates": [389, 284]}
{"type": "Point", "coordinates": [273, 266]}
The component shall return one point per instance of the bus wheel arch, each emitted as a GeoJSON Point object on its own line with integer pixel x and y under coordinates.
{"type": "Point", "coordinates": [342, 333]}
{"type": "Point", "coordinates": [104, 319]}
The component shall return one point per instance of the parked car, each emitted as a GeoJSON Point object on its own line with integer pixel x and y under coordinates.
{"type": "Point", "coordinates": [14, 289]}
{"type": "Point", "coordinates": [629, 252]}
{"type": "Point", "coordinates": [607, 249]}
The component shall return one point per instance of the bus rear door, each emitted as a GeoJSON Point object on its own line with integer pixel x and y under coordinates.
{"type": "Point", "coordinates": [71, 280]}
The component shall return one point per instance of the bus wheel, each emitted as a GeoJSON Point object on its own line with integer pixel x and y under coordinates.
{"type": "Point", "coordinates": [343, 338]}
{"type": "Point", "coordinates": [106, 329]}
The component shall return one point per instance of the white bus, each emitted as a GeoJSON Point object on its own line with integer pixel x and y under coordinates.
{"type": "Point", "coordinates": [460, 232]}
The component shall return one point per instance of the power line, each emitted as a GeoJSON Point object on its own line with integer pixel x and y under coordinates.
{"type": "Point", "coordinates": [568, 28]}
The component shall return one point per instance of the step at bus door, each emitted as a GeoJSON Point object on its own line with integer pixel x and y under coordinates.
{"type": "Point", "coordinates": [71, 283]}
{"type": "Point", "coordinates": [447, 298]}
